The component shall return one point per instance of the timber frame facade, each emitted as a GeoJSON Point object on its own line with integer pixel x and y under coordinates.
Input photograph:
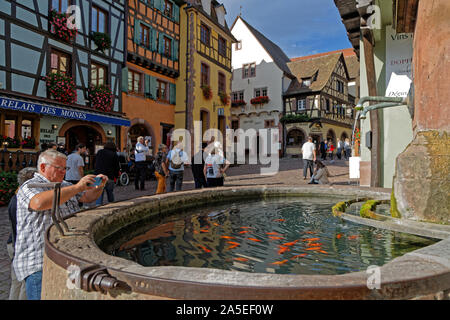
{"type": "Point", "coordinates": [318, 102]}
{"type": "Point", "coordinates": [31, 51]}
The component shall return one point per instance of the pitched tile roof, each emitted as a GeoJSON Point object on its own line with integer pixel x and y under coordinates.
{"type": "Point", "coordinates": [278, 56]}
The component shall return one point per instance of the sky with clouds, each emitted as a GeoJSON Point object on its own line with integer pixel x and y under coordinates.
{"type": "Point", "coordinates": [298, 27]}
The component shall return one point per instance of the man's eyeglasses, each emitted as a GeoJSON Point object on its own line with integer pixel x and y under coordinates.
{"type": "Point", "coordinates": [58, 167]}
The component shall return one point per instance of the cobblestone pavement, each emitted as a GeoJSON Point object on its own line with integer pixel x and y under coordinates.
{"type": "Point", "coordinates": [290, 173]}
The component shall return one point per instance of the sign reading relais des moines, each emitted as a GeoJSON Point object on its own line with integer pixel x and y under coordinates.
{"type": "Point", "coordinates": [399, 52]}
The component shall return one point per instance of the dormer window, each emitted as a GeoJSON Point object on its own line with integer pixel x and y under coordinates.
{"type": "Point", "coordinates": [306, 82]}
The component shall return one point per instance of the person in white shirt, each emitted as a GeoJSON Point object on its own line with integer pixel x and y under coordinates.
{"type": "Point", "coordinates": [215, 167]}
{"type": "Point", "coordinates": [75, 164]}
{"type": "Point", "coordinates": [140, 153]}
{"type": "Point", "coordinates": [309, 156]}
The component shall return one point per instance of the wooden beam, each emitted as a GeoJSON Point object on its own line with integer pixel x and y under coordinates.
{"type": "Point", "coordinates": [374, 120]}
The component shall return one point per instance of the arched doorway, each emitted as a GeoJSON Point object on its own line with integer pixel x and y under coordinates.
{"type": "Point", "coordinates": [331, 136]}
{"type": "Point", "coordinates": [344, 136]}
{"type": "Point", "coordinates": [83, 134]}
{"type": "Point", "coordinates": [295, 138]}
{"type": "Point", "coordinates": [136, 131]}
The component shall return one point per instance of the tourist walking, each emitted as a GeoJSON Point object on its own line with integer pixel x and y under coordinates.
{"type": "Point", "coordinates": [347, 149]}
{"type": "Point", "coordinates": [75, 164]}
{"type": "Point", "coordinates": [215, 167]}
{"type": "Point", "coordinates": [323, 149]}
{"type": "Point", "coordinates": [309, 156]}
{"type": "Point", "coordinates": [107, 163]}
{"type": "Point", "coordinates": [34, 215]}
{"type": "Point", "coordinates": [340, 147]}
{"type": "Point", "coordinates": [176, 159]}
{"type": "Point", "coordinates": [17, 289]}
{"type": "Point", "coordinates": [140, 164]}
{"type": "Point", "coordinates": [161, 170]}
{"type": "Point", "coordinates": [197, 166]}
{"type": "Point", "coordinates": [330, 149]}
{"type": "Point", "coordinates": [321, 174]}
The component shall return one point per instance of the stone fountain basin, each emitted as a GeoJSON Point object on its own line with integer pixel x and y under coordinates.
{"type": "Point", "coordinates": [416, 274]}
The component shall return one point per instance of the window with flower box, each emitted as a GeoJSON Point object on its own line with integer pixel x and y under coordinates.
{"type": "Point", "coordinates": [99, 20]}
{"type": "Point", "coordinates": [261, 92]}
{"type": "Point", "coordinates": [60, 62]}
{"type": "Point", "coordinates": [98, 74]}
{"type": "Point", "coordinates": [204, 81]}
{"type": "Point", "coordinates": [134, 82]}
{"type": "Point", "coordinates": [222, 83]}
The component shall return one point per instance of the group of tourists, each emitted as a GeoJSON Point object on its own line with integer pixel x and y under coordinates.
{"type": "Point", "coordinates": [327, 149]}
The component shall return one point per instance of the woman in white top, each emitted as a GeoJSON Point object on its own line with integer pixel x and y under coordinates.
{"type": "Point", "coordinates": [215, 167]}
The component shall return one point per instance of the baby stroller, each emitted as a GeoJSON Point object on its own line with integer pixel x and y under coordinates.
{"type": "Point", "coordinates": [124, 177]}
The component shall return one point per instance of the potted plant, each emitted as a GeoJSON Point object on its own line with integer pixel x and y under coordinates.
{"type": "Point", "coordinates": [28, 143]}
{"type": "Point", "coordinates": [207, 92]}
{"type": "Point", "coordinates": [100, 97]}
{"type": "Point", "coordinates": [260, 100]}
{"type": "Point", "coordinates": [61, 87]}
{"type": "Point", "coordinates": [224, 98]}
{"type": "Point", "coordinates": [59, 27]}
{"type": "Point", "coordinates": [102, 40]}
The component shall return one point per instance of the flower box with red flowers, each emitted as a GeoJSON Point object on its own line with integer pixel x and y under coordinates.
{"type": "Point", "coordinates": [9, 142]}
{"type": "Point", "coordinates": [28, 143]}
{"type": "Point", "coordinates": [102, 40]}
{"type": "Point", "coordinates": [260, 100]}
{"type": "Point", "coordinates": [238, 103]}
{"type": "Point", "coordinates": [61, 87]}
{"type": "Point", "coordinates": [224, 98]}
{"type": "Point", "coordinates": [207, 92]}
{"type": "Point", "coordinates": [100, 98]}
{"type": "Point", "coordinates": [60, 28]}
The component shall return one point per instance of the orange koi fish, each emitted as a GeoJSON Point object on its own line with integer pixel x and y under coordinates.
{"type": "Point", "coordinates": [339, 235]}
{"type": "Point", "coordinates": [310, 232]}
{"type": "Point", "coordinates": [299, 255]}
{"type": "Point", "coordinates": [227, 237]}
{"type": "Point", "coordinates": [273, 233]}
{"type": "Point", "coordinates": [233, 243]}
{"type": "Point", "coordinates": [352, 237]}
{"type": "Point", "coordinates": [216, 224]}
{"type": "Point", "coordinates": [323, 251]}
{"type": "Point", "coordinates": [311, 239]}
{"type": "Point", "coordinates": [246, 227]}
{"type": "Point", "coordinates": [290, 243]}
{"type": "Point", "coordinates": [244, 231]}
{"type": "Point", "coordinates": [309, 244]}
{"type": "Point", "coordinates": [283, 249]}
{"type": "Point", "coordinates": [232, 246]}
{"type": "Point", "coordinates": [276, 238]}
{"type": "Point", "coordinates": [314, 248]}
{"type": "Point", "coordinates": [205, 249]}
{"type": "Point", "coordinates": [195, 232]}
{"type": "Point", "coordinates": [279, 220]}
{"type": "Point", "coordinates": [280, 262]}
{"type": "Point", "coordinates": [241, 259]}
{"type": "Point", "coordinates": [253, 239]}
{"type": "Point", "coordinates": [204, 230]}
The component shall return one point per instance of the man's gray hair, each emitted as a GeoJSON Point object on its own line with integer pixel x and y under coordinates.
{"type": "Point", "coordinates": [26, 174]}
{"type": "Point", "coordinates": [48, 156]}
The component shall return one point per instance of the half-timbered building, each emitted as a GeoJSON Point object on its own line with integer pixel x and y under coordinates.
{"type": "Point", "coordinates": [204, 85]}
{"type": "Point", "coordinates": [60, 69]}
{"type": "Point", "coordinates": [148, 80]}
{"type": "Point", "coordinates": [317, 102]}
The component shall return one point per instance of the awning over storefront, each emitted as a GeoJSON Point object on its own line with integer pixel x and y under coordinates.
{"type": "Point", "coordinates": [60, 112]}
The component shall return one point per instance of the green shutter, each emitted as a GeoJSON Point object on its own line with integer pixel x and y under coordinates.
{"type": "Point", "coordinates": [158, 4]}
{"type": "Point", "coordinates": [125, 79]}
{"type": "Point", "coordinates": [153, 43]}
{"type": "Point", "coordinates": [137, 27]}
{"type": "Point", "coordinates": [173, 93]}
{"type": "Point", "coordinates": [152, 87]}
{"type": "Point", "coordinates": [176, 13]}
{"type": "Point", "coordinates": [161, 43]}
{"type": "Point", "coordinates": [174, 50]}
{"type": "Point", "coordinates": [147, 85]}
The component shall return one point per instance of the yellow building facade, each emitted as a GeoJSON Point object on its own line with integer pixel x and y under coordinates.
{"type": "Point", "coordinates": [204, 84]}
